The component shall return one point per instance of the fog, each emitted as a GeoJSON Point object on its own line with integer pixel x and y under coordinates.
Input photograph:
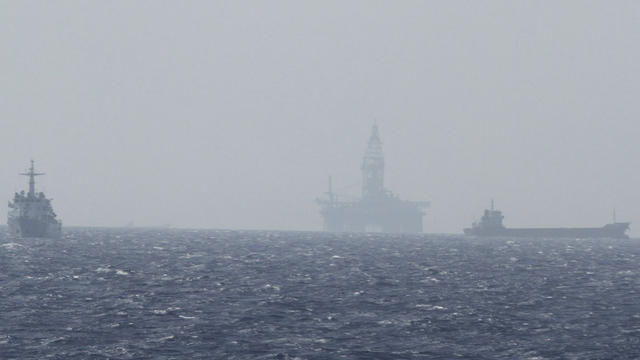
{"type": "Point", "coordinates": [234, 114]}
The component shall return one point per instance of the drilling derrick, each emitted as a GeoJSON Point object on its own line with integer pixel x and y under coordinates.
{"type": "Point", "coordinates": [373, 167]}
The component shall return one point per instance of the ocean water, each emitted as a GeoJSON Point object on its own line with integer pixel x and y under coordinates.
{"type": "Point", "coordinates": [180, 294]}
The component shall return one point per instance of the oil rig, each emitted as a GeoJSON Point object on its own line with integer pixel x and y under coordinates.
{"type": "Point", "coordinates": [378, 210]}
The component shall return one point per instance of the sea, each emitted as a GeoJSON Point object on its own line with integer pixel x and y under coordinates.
{"type": "Point", "coordinates": [213, 294]}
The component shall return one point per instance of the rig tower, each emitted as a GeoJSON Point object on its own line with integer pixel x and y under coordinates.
{"type": "Point", "coordinates": [378, 210]}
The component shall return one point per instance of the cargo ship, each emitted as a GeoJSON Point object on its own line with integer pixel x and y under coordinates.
{"type": "Point", "coordinates": [31, 214]}
{"type": "Point", "coordinates": [491, 225]}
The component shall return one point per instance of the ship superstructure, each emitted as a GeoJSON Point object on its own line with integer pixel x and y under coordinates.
{"type": "Point", "coordinates": [378, 210]}
{"type": "Point", "coordinates": [31, 214]}
{"type": "Point", "coordinates": [491, 225]}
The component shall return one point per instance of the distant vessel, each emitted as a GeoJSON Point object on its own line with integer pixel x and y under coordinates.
{"type": "Point", "coordinates": [31, 214]}
{"type": "Point", "coordinates": [491, 225]}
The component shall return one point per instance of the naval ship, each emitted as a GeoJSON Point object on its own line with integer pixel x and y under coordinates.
{"type": "Point", "coordinates": [491, 225]}
{"type": "Point", "coordinates": [31, 214]}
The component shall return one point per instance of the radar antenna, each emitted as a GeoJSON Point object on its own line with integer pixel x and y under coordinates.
{"type": "Point", "coordinates": [32, 181]}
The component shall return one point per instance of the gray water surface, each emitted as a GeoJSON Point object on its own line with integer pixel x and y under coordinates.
{"type": "Point", "coordinates": [181, 294]}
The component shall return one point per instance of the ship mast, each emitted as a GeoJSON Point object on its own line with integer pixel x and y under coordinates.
{"type": "Point", "coordinates": [32, 179]}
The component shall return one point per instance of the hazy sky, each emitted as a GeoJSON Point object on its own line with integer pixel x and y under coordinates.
{"type": "Point", "coordinates": [233, 114]}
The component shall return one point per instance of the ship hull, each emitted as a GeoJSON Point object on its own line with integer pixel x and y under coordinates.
{"type": "Point", "coordinates": [615, 230]}
{"type": "Point", "coordinates": [30, 227]}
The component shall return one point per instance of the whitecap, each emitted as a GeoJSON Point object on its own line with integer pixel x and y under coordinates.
{"type": "Point", "coordinates": [166, 311]}
{"type": "Point", "coordinates": [163, 339]}
{"type": "Point", "coordinates": [12, 246]}
{"type": "Point", "coordinates": [190, 255]}
{"type": "Point", "coordinates": [46, 342]}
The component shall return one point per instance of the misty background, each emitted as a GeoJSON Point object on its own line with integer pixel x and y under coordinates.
{"type": "Point", "coordinates": [234, 114]}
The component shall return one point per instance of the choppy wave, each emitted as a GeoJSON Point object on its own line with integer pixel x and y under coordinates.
{"type": "Point", "coordinates": [149, 294]}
